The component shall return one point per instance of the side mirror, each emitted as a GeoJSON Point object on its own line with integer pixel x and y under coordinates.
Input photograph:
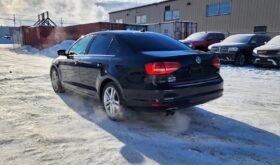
{"type": "Point", "coordinates": [61, 52]}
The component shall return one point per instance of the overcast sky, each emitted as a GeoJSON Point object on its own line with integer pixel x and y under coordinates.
{"type": "Point", "coordinates": [71, 11]}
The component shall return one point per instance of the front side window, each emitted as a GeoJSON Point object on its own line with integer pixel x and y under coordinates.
{"type": "Point", "coordinates": [100, 44]}
{"type": "Point", "coordinates": [217, 9]}
{"type": "Point", "coordinates": [80, 47]}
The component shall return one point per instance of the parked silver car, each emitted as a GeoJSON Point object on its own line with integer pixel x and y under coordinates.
{"type": "Point", "coordinates": [268, 54]}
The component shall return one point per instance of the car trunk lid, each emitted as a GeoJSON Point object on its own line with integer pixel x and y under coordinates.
{"type": "Point", "coordinates": [195, 65]}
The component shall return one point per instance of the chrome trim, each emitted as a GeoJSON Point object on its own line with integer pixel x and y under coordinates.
{"type": "Point", "coordinates": [199, 82]}
{"type": "Point", "coordinates": [93, 55]}
{"type": "Point", "coordinates": [273, 62]}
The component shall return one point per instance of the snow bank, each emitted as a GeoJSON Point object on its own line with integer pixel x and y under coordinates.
{"type": "Point", "coordinates": [49, 52]}
{"type": "Point", "coordinates": [5, 41]}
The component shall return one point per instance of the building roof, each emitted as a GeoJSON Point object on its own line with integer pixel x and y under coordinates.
{"type": "Point", "coordinates": [137, 7]}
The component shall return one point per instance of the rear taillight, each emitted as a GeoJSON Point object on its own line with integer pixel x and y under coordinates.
{"type": "Point", "coordinates": [216, 63]}
{"type": "Point", "coordinates": [159, 68]}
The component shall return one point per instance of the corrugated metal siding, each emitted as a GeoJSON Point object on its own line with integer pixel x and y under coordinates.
{"type": "Point", "coordinates": [245, 15]}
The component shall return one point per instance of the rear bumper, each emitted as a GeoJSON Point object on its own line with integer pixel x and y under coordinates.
{"type": "Point", "coordinates": [178, 97]}
{"type": "Point", "coordinates": [267, 61]}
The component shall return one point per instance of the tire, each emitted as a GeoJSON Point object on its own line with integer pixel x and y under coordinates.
{"type": "Point", "coordinates": [240, 60]}
{"type": "Point", "coordinates": [112, 102]}
{"type": "Point", "coordinates": [56, 83]}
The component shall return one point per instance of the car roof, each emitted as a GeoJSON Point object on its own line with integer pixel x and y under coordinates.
{"type": "Point", "coordinates": [208, 32]}
{"type": "Point", "coordinates": [249, 35]}
{"type": "Point", "coordinates": [114, 32]}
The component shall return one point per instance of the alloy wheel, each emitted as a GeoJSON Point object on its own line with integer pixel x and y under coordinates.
{"type": "Point", "coordinates": [55, 80]}
{"type": "Point", "coordinates": [111, 102]}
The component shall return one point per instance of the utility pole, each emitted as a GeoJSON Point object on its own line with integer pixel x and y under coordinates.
{"type": "Point", "coordinates": [61, 22]}
{"type": "Point", "coordinates": [14, 20]}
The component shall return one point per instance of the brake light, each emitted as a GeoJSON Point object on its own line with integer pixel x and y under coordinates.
{"type": "Point", "coordinates": [216, 63]}
{"type": "Point", "coordinates": [160, 68]}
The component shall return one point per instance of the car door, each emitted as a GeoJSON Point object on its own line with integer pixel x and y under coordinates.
{"type": "Point", "coordinates": [92, 65]}
{"type": "Point", "coordinates": [69, 66]}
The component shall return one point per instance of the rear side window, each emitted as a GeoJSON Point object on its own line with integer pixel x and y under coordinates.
{"type": "Point", "coordinates": [100, 44]}
{"type": "Point", "coordinates": [220, 36]}
{"type": "Point", "coordinates": [261, 39]}
{"type": "Point", "coordinates": [150, 42]}
{"type": "Point", "coordinates": [114, 48]}
{"type": "Point", "coordinates": [265, 39]}
{"type": "Point", "coordinates": [211, 36]}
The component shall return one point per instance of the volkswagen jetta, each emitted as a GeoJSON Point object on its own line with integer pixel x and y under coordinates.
{"type": "Point", "coordinates": [137, 70]}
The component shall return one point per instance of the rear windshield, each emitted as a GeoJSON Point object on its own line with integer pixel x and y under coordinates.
{"type": "Point", "coordinates": [140, 42]}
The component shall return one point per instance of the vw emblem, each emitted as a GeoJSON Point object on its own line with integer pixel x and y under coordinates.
{"type": "Point", "coordinates": [198, 60]}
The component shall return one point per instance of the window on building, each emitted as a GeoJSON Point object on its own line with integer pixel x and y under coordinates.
{"type": "Point", "coordinates": [225, 8]}
{"type": "Point", "coordinates": [217, 9]}
{"type": "Point", "coordinates": [176, 14]}
{"type": "Point", "coordinates": [213, 10]}
{"type": "Point", "coordinates": [171, 15]}
{"type": "Point", "coordinates": [260, 29]}
{"type": "Point", "coordinates": [119, 20]}
{"type": "Point", "coordinates": [141, 19]}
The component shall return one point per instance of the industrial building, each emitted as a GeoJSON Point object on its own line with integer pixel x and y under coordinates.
{"type": "Point", "coordinates": [228, 16]}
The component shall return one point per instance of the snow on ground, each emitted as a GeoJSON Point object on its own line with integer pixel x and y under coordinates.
{"type": "Point", "coordinates": [38, 126]}
{"type": "Point", "coordinates": [49, 52]}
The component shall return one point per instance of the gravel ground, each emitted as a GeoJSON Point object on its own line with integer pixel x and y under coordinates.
{"type": "Point", "coordinates": [38, 126]}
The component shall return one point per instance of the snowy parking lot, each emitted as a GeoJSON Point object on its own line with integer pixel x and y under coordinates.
{"type": "Point", "coordinates": [38, 126]}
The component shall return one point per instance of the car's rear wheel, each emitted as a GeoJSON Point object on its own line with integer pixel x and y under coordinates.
{"type": "Point", "coordinates": [240, 60]}
{"type": "Point", "coordinates": [56, 83]}
{"type": "Point", "coordinates": [112, 102]}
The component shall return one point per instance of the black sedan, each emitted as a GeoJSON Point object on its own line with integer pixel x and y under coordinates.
{"type": "Point", "coordinates": [238, 48]}
{"type": "Point", "coordinates": [137, 70]}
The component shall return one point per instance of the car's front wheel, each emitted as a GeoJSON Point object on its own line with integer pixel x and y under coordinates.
{"type": "Point", "coordinates": [56, 83]}
{"type": "Point", "coordinates": [112, 102]}
{"type": "Point", "coordinates": [240, 60]}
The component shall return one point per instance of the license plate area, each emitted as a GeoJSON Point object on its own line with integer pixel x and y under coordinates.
{"type": "Point", "coordinates": [195, 72]}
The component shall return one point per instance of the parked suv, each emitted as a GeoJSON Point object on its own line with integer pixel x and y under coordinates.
{"type": "Point", "coordinates": [202, 40]}
{"type": "Point", "coordinates": [268, 54]}
{"type": "Point", "coordinates": [139, 70]}
{"type": "Point", "coordinates": [238, 48]}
